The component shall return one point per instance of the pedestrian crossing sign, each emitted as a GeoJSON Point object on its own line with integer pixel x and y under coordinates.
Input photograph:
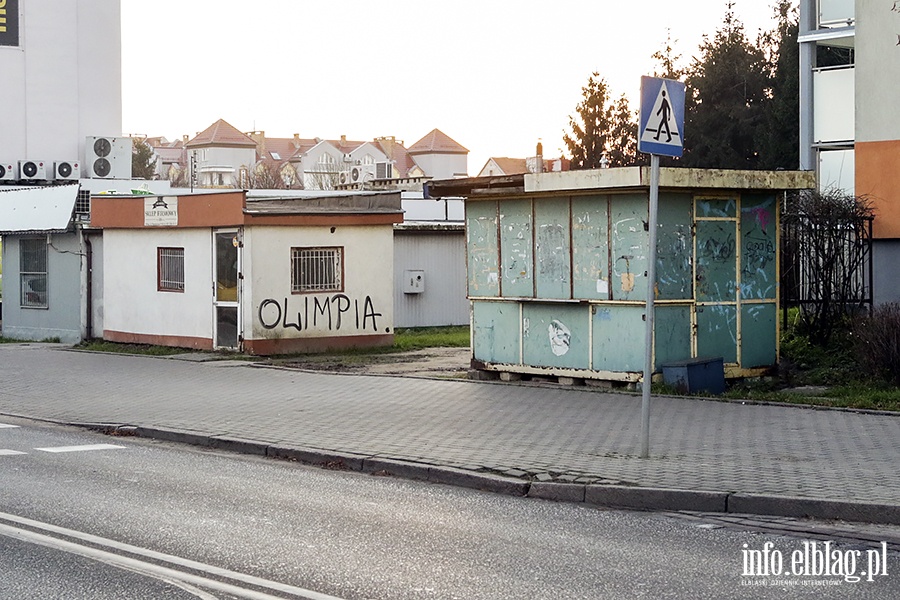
{"type": "Point", "coordinates": [662, 117]}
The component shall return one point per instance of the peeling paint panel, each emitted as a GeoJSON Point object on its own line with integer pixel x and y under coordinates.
{"type": "Point", "coordinates": [717, 332]}
{"type": "Point", "coordinates": [590, 248]}
{"type": "Point", "coordinates": [675, 248]}
{"type": "Point", "coordinates": [555, 335]}
{"type": "Point", "coordinates": [482, 252]}
{"type": "Point", "coordinates": [759, 240]}
{"type": "Point", "coordinates": [672, 337]}
{"type": "Point", "coordinates": [496, 332]}
{"type": "Point", "coordinates": [619, 338]}
{"type": "Point", "coordinates": [517, 248]}
{"type": "Point", "coordinates": [630, 242]}
{"type": "Point", "coordinates": [758, 330]}
{"type": "Point", "coordinates": [716, 208]}
{"type": "Point", "coordinates": [716, 261]}
{"type": "Point", "coordinates": [553, 268]}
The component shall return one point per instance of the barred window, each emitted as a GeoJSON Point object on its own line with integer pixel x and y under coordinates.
{"type": "Point", "coordinates": [317, 270]}
{"type": "Point", "coordinates": [33, 273]}
{"type": "Point", "coordinates": [170, 269]}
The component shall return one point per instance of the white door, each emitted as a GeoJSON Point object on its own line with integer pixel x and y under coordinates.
{"type": "Point", "coordinates": [227, 288]}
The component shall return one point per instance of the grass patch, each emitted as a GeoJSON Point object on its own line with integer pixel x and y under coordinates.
{"type": "Point", "coordinates": [6, 340]}
{"type": "Point", "coordinates": [416, 338]}
{"type": "Point", "coordinates": [104, 346]}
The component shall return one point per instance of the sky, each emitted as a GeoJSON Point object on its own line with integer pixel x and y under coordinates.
{"type": "Point", "coordinates": [494, 75]}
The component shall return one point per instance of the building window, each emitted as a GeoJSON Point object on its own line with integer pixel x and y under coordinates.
{"type": "Point", "coordinates": [33, 272]}
{"type": "Point", "coordinates": [317, 270]}
{"type": "Point", "coordinates": [170, 269]}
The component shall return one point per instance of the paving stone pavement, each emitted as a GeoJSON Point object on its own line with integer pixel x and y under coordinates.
{"type": "Point", "coordinates": [578, 433]}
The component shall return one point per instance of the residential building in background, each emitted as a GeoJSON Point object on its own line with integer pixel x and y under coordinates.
{"type": "Point", "coordinates": [849, 66]}
{"type": "Point", "coordinates": [221, 156]}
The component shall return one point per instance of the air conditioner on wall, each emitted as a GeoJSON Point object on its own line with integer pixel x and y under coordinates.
{"type": "Point", "coordinates": [32, 170]}
{"type": "Point", "coordinates": [7, 172]}
{"type": "Point", "coordinates": [67, 170]}
{"type": "Point", "coordinates": [361, 173]}
{"type": "Point", "coordinates": [107, 157]}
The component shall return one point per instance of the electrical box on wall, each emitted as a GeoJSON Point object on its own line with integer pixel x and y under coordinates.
{"type": "Point", "coordinates": [413, 282]}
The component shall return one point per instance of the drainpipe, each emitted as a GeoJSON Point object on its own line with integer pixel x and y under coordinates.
{"type": "Point", "coordinates": [89, 292]}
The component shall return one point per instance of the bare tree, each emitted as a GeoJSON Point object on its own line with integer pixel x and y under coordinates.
{"type": "Point", "coordinates": [826, 259]}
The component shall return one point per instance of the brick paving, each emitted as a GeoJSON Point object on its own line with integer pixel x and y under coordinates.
{"type": "Point", "coordinates": [578, 433]}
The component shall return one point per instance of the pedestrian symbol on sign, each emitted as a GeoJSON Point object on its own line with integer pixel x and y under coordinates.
{"type": "Point", "coordinates": [662, 116]}
{"type": "Point", "coordinates": [662, 122]}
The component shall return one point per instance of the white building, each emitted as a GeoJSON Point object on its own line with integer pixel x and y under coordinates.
{"type": "Point", "coordinates": [272, 275]}
{"type": "Point", "coordinates": [62, 79]}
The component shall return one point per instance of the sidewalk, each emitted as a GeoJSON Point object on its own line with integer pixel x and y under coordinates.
{"type": "Point", "coordinates": [560, 443]}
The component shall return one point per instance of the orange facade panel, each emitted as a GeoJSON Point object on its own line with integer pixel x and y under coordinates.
{"type": "Point", "coordinates": [878, 179]}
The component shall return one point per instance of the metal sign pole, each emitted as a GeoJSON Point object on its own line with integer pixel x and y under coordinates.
{"type": "Point", "coordinates": [649, 311]}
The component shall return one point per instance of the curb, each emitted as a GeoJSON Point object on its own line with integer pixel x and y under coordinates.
{"type": "Point", "coordinates": [595, 495]}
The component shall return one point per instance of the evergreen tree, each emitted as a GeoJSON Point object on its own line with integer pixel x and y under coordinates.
{"type": "Point", "coordinates": [727, 89]}
{"type": "Point", "coordinates": [602, 129]}
{"type": "Point", "coordinates": [668, 62]}
{"type": "Point", "coordinates": [143, 163]}
{"type": "Point", "coordinates": [591, 127]}
{"type": "Point", "coordinates": [622, 150]}
{"type": "Point", "coordinates": [779, 137]}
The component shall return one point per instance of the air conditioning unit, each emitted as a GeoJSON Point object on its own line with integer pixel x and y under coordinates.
{"type": "Point", "coordinates": [32, 170]}
{"type": "Point", "coordinates": [67, 170]}
{"type": "Point", "coordinates": [361, 173]}
{"type": "Point", "coordinates": [384, 170]}
{"type": "Point", "coordinates": [344, 177]}
{"type": "Point", "coordinates": [107, 157]}
{"type": "Point", "coordinates": [7, 172]}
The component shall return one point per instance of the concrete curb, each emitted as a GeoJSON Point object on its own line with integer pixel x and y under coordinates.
{"type": "Point", "coordinates": [596, 495]}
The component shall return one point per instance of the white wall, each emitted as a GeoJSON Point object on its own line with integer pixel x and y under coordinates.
{"type": "Point", "coordinates": [443, 166]}
{"type": "Point", "coordinates": [63, 82]}
{"type": "Point", "coordinates": [877, 71]}
{"type": "Point", "coordinates": [368, 274]}
{"type": "Point", "coordinates": [131, 301]}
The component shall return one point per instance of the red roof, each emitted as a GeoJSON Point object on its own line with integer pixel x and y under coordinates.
{"type": "Point", "coordinates": [509, 166]}
{"type": "Point", "coordinates": [437, 142]}
{"type": "Point", "coordinates": [221, 133]}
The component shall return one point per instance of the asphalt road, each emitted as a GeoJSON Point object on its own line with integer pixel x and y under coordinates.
{"type": "Point", "coordinates": [133, 518]}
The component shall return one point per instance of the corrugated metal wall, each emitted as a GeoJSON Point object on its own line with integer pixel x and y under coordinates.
{"type": "Point", "coordinates": [441, 255]}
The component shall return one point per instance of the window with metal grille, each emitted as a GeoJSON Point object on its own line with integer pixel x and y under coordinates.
{"type": "Point", "coordinates": [317, 270]}
{"type": "Point", "coordinates": [170, 269]}
{"type": "Point", "coordinates": [33, 273]}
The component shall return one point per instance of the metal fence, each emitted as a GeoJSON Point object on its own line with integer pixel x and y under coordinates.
{"type": "Point", "coordinates": [826, 267]}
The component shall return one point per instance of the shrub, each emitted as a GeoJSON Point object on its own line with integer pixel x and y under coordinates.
{"type": "Point", "coordinates": [876, 342]}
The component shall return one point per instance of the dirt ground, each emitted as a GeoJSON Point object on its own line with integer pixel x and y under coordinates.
{"type": "Point", "coordinates": [447, 363]}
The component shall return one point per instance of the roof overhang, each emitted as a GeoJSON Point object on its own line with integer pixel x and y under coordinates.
{"type": "Point", "coordinates": [37, 209]}
{"type": "Point", "coordinates": [620, 179]}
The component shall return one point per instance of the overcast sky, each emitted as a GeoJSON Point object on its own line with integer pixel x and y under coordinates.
{"type": "Point", "coordinates": [495, 75]}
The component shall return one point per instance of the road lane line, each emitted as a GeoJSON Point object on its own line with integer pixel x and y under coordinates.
{"type": "Point", "coordinates": [7, 426]}
{"type": "Point", "coordinates": [159, 571]}
{"type": "Point", "coordinates": [10, 452]}
{"type": "Point", "coordinates": [80, 448]}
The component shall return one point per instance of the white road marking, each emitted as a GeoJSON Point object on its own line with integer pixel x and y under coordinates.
{"type": "Point", "coordinates": [80, 448]}
{"type": "Point", "coordinates": [10, 452]}
{"type": "Point", "coordinates": [7, 426]}
{"type": "Point", "coordinates": [151, 569]}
